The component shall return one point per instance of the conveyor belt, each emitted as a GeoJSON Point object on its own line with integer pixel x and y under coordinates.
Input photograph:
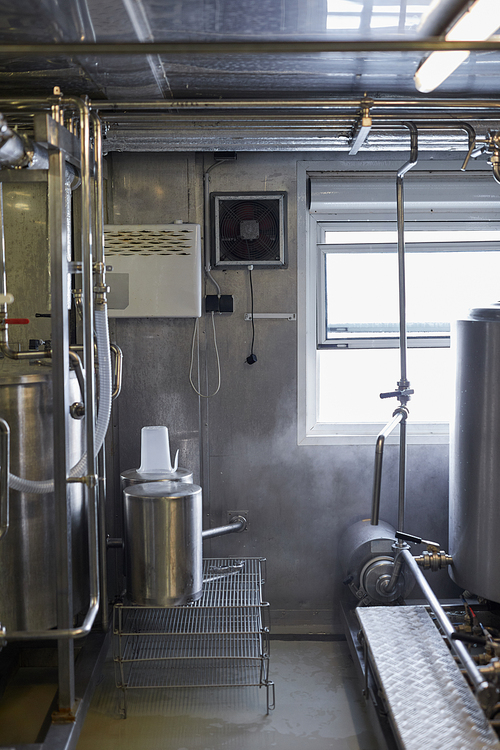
{"type": "Point", "coordinates": [428, 699]}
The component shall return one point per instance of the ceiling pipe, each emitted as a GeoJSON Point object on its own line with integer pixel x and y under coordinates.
{"type": "Point", "coordinates": [271, 47]}
{"type": "Point", "coordinates": [284, 104]}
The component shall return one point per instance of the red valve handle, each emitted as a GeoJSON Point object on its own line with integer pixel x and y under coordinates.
{"type": "Point", "coordinates": [17, 321]}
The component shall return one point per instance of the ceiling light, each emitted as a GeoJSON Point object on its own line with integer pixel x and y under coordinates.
{"type": "Point", "coordinates": [478, 23]}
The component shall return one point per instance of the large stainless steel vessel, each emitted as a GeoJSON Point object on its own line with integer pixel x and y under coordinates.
{"type": "Point", "coordinates": [163, 543]}
{"type": "Point", "coordinates": [27, 553]}
{"type": "Point", "coordinates": [475, 456]}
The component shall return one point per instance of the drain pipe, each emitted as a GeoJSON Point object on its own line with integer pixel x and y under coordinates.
{"type": "Point", "coordinates": [235, 526]}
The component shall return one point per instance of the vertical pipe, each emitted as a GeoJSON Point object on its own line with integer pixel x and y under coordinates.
{"type": "Point", "coordinates": [102, 537]}
{"type": "Point", "coordinates": [60, 395]}
{"type": "Point", "coordinates": [100, 286]}
{"type": "Point", "coordinates": [3, 276]}
{"type": "Point", "coordinates": [402, 475]}
{"type": "Point", "coordinates": [403, 383]}
{"type": "Point", "coordinates": [402, 279]}
{"type": "Point", "coordinates": [4, 477]}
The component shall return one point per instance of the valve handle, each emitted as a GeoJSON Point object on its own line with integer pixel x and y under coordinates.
{"type": "Point", "coordinates": [17, 321]}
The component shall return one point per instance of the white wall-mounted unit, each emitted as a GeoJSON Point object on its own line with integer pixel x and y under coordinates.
{"type": "Point", "coordinates": [157, 270]}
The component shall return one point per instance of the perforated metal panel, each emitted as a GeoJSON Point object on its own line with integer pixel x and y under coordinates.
{"type": "Point", "coordinates": [147, 240]}
{"type": "Point", "coordinates": [156, 270]}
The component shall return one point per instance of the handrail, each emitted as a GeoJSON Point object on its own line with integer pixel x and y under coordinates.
{"type": "Point", "coordinates": [84, 629]}
{"type": "Point", "coordinates": [118, 370]}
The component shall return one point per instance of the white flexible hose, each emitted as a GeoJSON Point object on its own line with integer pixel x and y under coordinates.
{"type": "Point", "coordinates": [105, 390]}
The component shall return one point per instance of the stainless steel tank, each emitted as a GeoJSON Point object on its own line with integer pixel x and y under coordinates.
{"type": "Point", "coordinates": [163, 543]}
{"type": "Point", "coordinates": [475, 456]}
{"type": "Point", "coordinates": [27, 555]}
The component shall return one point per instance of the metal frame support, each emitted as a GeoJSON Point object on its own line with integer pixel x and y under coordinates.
{"type": "Point", "coordinates": [60, 365]}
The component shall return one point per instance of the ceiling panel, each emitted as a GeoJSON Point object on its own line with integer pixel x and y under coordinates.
{"type": "Point", "coordinates": [226, 75]}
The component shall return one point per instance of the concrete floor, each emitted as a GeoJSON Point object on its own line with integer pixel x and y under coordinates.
{"type": "Point", "coordinates": [318, 707]}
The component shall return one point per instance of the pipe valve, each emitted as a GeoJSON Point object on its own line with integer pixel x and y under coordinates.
{"type": "Point", "coordinates": [434, 560]}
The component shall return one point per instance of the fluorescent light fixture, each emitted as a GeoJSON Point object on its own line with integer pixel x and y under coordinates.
{"type": "Point", "coordinates": [478, 23]}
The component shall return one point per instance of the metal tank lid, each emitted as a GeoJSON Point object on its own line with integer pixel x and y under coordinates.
{"type": "Point", "coordinates": [490, 312]}
{"type": "Point", "coordinates": [162, 489]}
{"type": "Point", "coordinates": [137, 477]}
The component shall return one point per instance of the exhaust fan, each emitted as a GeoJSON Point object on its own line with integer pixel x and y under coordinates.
{"type": "Point", "coordinates": [249, 229]}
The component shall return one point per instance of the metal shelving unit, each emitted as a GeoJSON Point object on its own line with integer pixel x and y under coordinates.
{"type": "Point", "coordinates": [222, 640]}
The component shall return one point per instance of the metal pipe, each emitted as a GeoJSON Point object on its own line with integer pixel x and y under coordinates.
{"type": "Point", "coordinates": [77, 362]}
{"type": "Point", "coordinates": [424, 104]}
{"type": "Point", "coordinates": [485, 692]}
{"type": "Point", "coordinates": [101, 463]}
{"type": "Point", "coordinates": [98, 228]}
{"type": "Point", "coordinates": [290, 104]}
{"type": "Point", "coordinates": [389, 586]}
{"type": "Point", "coordinates": [18, 151]}
{"type": "Point", "coordinates": [274, 47]}
{"type": "Point", "coordinates": [399, 415]}
{"type": "Point", "coordinates": [237, 524]}
{"type": "Point", "coordinates": [4, 477]}
{"type": "Point", "coordinates": [403, 384]}
{"type": "Point", "coordinates": [118, 370]}
{"type": "Point", "coordinates": [402, 475]}
{"type": "Point", "coordinates": [401, 246]}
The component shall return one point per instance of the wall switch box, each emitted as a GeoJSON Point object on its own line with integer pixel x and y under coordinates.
{"type": "Point", "coordinates": [219, 303]}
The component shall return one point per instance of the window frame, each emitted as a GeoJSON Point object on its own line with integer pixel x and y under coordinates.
{"type": "Point", "coordinates": [310, 283]}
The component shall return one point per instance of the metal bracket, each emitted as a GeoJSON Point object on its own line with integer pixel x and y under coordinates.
{"type": "Point", "coordinates": [285, 316]}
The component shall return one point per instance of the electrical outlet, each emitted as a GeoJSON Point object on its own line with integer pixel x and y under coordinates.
{"type": "Point", "coordinates": [233, 513]}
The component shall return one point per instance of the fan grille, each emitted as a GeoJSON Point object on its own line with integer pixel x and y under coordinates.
{"type": "Point", "coordinates": [249, 230]}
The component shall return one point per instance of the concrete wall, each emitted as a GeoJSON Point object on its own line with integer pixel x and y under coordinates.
{"type": "Point", "coordinates": [242, 443]}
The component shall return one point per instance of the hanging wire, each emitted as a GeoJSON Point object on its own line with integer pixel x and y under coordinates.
{"type": "Point", "coordinates": [195, 332]}
{"type": "Point", "coordinates": [251, 359]}
{"type": "Point", "coordinates": [251, 298]}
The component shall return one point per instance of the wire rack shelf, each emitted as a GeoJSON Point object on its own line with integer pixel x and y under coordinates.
{"type": "Point", "coordinates": [222, 640]}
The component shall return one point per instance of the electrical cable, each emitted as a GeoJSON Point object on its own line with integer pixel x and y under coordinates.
{"type": "Point", "coordinates": [195, 331]}
{"type": "Point", "coordinates": [206, 238]}
{"type": "Point", "coordinates": [252, 358]}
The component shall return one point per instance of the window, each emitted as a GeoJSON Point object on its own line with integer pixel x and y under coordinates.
{"type": "Point", "coordinates": [389, 15]}
{"type": "Point", "coordinates": [349, 298]}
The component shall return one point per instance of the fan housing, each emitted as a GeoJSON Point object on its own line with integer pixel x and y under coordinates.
{"type": "Point", "coordinates": [249, 229]}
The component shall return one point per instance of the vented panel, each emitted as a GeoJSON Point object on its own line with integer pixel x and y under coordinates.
{"type": "Point", "coordinates": [156, 270]}
{"type": "Point", "coordinates": [146, 241]}
{"type": "Point", "coordinates": [249, 229]}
